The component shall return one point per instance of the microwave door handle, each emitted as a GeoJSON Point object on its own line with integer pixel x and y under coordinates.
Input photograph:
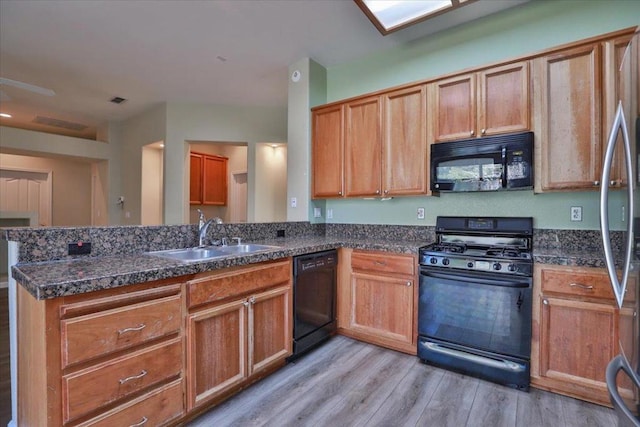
{"type": "Point", "coordinates": [504, 167]}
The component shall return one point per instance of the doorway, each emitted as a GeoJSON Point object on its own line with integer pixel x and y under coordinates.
{"type": "Point", "coordinates": [151, 191]}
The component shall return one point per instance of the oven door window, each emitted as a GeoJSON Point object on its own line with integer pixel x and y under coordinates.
{"type": "Point", "coordinates": [471, 173]}
{"type": "Point", "coordinates": [488, 314]}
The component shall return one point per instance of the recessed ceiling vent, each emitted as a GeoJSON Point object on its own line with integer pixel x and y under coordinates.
{"type": "Point", "coordinates": [117, 100]}
{"type": "Point", "coordinates": [49, 121]}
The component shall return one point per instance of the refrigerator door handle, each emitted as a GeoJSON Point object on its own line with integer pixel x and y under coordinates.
{"type": "Point", "coordinates": [619, 286]}
{"type": "Point", "coordinates": [617, 364]}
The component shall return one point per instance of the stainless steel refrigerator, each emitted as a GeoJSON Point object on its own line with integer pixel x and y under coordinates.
{"type": "Point", "coordinates": [622, 252]}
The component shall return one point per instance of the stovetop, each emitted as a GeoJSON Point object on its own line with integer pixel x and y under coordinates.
{"type": "Point", "coordinates": [497, 245]}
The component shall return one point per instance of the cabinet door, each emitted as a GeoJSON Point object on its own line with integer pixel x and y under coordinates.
{"type": "Point", "coordinates": [363, 148]}
{"type": "Point", "coordinates": [216, 351]}
{"type": "Point", "coordinates": [270, 316]}
{"type": "Point", "coordinates": [382, 306]}
{"type": "Point", "coordinates": [327, 152]}
{"type": "Point", "coordinates": [577, 341]}
{"type": "Point", "coordinates": [195, 179]}
{"type": "Point", "coordinates": [453, 105]}
{"type": "Point", "coordinates": [618, 84]}
{"type": "Point", "coordinates": [214, 187]}
{"type": "Point", "coordinates": [568, 116]}
{"type": "Point", "coordinates": [405, 142]}
{"type": "Point", "coordinates": [504, 99]}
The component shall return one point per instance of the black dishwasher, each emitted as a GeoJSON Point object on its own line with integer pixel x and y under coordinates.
{"type": "Point", "coordinates": [314, 300]}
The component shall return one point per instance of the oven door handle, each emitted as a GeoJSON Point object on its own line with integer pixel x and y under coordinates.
{"type": "Point", "coordinates": [516, 283]}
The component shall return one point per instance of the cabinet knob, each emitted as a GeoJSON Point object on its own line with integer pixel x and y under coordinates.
{"type": "Point", "coordinates": [483, 131]}
{"type": "Point", "coordinates": [545, 302]}
{"type": "Point", "coordinates": [252, 300]}
{"type": "Point", "coordinates": [613, 182]}
{"type": "Point", "coordinates": [246, 303]}
{"type": "Point", "coordinates": [377, 191]}
{"type": "Point", "coordinates": [408, 283]}
{"type": "Point", "coordinates": [596, 183]}
{"type": "Point", "coordinates": [386, 191]}
{"type": "Point", "coordinates": [472, 133]}
{"type": "Point", "coordinates": [339, 193]}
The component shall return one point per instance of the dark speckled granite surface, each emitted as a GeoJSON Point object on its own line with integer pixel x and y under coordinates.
{"type": "Point", "coordinates": [118, 256]}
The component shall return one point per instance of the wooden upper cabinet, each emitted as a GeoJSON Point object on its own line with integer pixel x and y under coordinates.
{"type": "Point", "coordinates": [327, 152]}
{"type": "Point", "coordinates": [504, 104]}
{"type": "Point", "coordinates": [208, 179]}
{"type": "Point", "coordinates": [620, 59]}
{"type": "Point", "coordinates": [215, 181]}
{"type": "Point", "coordinates": [489, 102]}
{"type": "Point", "coordinates": [404, 147]}
{"type": "Point", "coordinates": [363, 147]}
{"type": "Point", "coordinates": [195, 179]}
{"type": "Point", "coordinates": [568, 98]}
{"type": "Point", "coordinates": [453, 103]}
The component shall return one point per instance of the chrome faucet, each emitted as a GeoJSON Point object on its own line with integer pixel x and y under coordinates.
{"type": "Point", "coordinates": [203, 226]}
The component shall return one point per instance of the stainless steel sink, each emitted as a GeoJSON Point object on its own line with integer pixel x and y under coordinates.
{"type": "Point", "coordinates": [210, 252]}
{"type": "Point", "coordinates": [246, 248]}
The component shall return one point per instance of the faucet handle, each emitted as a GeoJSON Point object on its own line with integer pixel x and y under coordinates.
{"type": "Point", "coordinates": [239, 239]}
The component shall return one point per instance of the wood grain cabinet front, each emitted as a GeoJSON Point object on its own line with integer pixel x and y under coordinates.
{"type": "Point", "coordinates": [105, 355]}
{"type": "Point", "coordinates": [208, 179]}
{"type": "Point", "coordinates": [238, 329]}
{"type": "Point", "coordinates": [377, 298]}
{"type": "Point", "coordinates": [576, 328]}
{"type": "Point", "coordinates": [487, 102]}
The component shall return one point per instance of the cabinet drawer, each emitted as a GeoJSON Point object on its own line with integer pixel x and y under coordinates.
{"type": "Point", "coordinates": [394, 264]}
{"type": "Point", "coordinates": [152, 409]}
{"type": "Point", "coordinates": [235, 282]}
{"type": "Point", "coordinates": [92, 388]}
{"type": "Point", "coordinates": [96, 334]}
{"type": "Point", "coordinates": [585, 282]}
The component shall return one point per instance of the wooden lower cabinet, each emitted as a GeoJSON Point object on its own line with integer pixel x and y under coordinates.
{"type": "Point", "coordinates": [111, 357]}
{"type": "Point", "coordinates": [151, 354]}
{"type": "Point", "coordinates": [576, 328]}
{"type": "Point", "coordinates": [232, 342]}
{"type": "Point", "coordinates": [377, 299]}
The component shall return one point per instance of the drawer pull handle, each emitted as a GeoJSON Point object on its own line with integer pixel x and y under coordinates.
{"type": "Point", "coordinates": [134, 377]}
{"type": "Point", "coordinates": [141, 423]}
{"type": "Point", "coordinates": [579, 285]}
{"type": "Point", "coordinates": [133, 329]}
{"type": "Point", "coordinates": [380, 263]}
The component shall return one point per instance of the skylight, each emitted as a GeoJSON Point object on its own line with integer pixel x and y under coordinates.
{"type": "Point", "coordinates": [392, 15]}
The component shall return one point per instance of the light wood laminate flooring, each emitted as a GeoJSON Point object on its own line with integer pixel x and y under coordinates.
{"type": "Point", "coordinates": [350, 383]}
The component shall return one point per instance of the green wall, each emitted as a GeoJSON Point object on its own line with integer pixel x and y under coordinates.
{"type": "Point", "coordinates": [524, 29]}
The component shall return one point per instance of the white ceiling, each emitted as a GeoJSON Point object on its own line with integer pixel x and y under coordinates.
{"type": "Point", "coordinates": [153, 51]}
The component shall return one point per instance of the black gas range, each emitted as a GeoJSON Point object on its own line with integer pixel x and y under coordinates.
{"type": "Point", "coordinates": [475, 298]}
{"type": "Point", "coordinates": [497, 245]}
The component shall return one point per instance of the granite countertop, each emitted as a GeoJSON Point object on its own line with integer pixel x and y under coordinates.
{"type": "Point", "coordinates": [52, 279]}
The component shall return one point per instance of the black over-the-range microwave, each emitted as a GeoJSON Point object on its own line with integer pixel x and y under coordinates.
{"type": "Point", "coordinates": [493, 163]}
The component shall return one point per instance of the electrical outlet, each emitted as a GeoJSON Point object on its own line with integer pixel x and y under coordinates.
{"type": "Point", "coordinates": [294, 202]}
{"type": "Point", "coordinates": [576, 213]}
{"type": "Point", "coordinates": [80, 248]}
{"type": "Point", "coordinates": [420, 213]}
{"type": "Point", "coordinates": [317, 212]}
{"type": "Point", "coordinates": [329, 213]}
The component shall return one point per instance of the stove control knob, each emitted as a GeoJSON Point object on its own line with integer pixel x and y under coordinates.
{"type": "Point", "coordinates": [433, 260]}
{"type": "Point", "coordinates": [497, 266]}
{"type": "Point", "coordinates": [470, 264]}
{"type": "Point", "coordinates": [445, 261]}
{"type": "Point", "coordinates": [512, 267]}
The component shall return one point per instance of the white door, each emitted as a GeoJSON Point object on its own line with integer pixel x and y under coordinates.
{"type": "Point", "coordinates": [26, 191]}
